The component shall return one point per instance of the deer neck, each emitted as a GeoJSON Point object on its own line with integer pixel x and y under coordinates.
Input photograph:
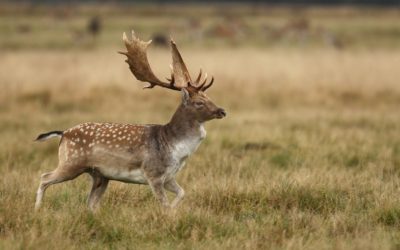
{"type": "Point", "coordinates": [184, 126]}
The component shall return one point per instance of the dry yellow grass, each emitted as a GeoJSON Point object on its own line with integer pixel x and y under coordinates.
{"type": "Point", "coordinates": [308, 156]}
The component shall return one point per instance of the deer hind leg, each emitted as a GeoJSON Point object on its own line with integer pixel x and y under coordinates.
{"type": "Point", "coordinates": [99, 186]}
{"type": "Point", "coordinates": [174, 187]}
{"type": "Point", "coordinates": [47, 179]}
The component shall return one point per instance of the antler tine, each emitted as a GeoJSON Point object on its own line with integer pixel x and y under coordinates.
{"type": "Point", "coordinates": [208, 85]}
{"type": "Point", "coordinates": [198, 77]}
{"type": "Point", "coordinates": [205, 78]}
{"type": "Point", "coordinates": [199, 87]}
{"type": "Point", "coordinates": [139, 64]}
{"type": "Point", "coordinates": [150, 86]}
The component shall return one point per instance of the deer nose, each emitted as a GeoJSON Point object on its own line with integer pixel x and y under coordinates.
{"type": "Point", "coordinates": [221, 113]}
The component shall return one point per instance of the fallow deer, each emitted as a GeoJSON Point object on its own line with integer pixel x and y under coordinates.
{"type": "Point", "coordinates": [140, 154]}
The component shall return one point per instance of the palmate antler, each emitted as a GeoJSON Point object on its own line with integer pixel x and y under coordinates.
{"type": "Point", "coordinates": [140, 67]}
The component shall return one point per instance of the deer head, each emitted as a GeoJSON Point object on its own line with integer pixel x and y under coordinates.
{"type": "Point", "coordinates": [195, 103]}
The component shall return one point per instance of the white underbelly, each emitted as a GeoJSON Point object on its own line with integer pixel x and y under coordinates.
{"type": "Point", "coordinates": [131, 176]}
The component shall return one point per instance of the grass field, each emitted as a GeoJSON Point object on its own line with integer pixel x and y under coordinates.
{"type": "Point", "coordinates": [307, 158]}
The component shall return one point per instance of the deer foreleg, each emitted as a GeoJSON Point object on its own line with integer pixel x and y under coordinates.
{"type": "Point", "coordinates": [157, 186]}
{"type": "Point", "coordinates": [174, 187]}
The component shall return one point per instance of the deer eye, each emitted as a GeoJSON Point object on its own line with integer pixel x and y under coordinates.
{"type": "Point", "coordinates": [198, 104]}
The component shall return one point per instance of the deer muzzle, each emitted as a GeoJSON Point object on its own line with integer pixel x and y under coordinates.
{"type": "Point", "coordinates": [220, 113]}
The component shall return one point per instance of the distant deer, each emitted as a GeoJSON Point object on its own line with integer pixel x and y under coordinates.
{"type": "Point", "coordinates": [140, 154]}
{"type": "Point", "coordinates": [94, 26]}
{"type": "Point", "coordinates": [160, 40]}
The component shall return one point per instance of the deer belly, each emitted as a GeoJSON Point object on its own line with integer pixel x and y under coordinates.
{"type": "Point", "coordinates": [125, 175]}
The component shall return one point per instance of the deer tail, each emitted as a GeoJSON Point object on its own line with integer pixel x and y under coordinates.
{"type": "Point", "coordinates": [48, 135]}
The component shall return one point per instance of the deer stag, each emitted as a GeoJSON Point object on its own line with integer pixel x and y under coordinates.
{"type": "Point", "coordinates": [140, 154]}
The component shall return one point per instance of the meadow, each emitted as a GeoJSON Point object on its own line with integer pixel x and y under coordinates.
{"type": "Point", "coordinates": [307, 158]}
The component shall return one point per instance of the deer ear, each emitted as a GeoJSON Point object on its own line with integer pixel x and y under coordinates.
{"type": "Point", "coordinates": [185, 96]}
